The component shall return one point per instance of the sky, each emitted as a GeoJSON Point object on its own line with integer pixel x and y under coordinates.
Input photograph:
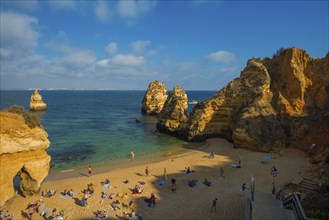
{"type": "Point", "coordinates": [126, 44]}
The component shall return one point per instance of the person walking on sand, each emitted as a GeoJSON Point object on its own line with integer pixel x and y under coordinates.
{"type": "Point", "coordinates": [214, 205]}
{"type": "Point", "coordinates": [239, 161]}
{"type": "Point", "coordinates": [165, 174]}
{"type": "Point", "coordinates": [147, 171]}
{"type": "Point", "coordinates": [89, 171]}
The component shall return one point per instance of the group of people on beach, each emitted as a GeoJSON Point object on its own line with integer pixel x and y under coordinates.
{"type": "Point", "coordinates": [39, 207]}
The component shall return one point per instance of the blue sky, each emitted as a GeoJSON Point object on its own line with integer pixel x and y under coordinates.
{"type": "Point", "coordinates": [199, 45]}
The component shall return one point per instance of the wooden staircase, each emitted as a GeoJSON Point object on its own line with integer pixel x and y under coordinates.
{"type": "Point", "coordinates": [266, 207]}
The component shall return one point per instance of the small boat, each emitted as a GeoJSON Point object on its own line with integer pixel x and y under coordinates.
{"type": "Point", "coordinates": [193, 102]}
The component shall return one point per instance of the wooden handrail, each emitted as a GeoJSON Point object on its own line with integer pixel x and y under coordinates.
{"type": "Point", "coordinates": [292, 201]}
{"type": "Point", "coordinates": [249, 210]}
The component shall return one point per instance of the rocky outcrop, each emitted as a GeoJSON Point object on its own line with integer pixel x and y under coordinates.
{"type": "Point", "coordinates": [173, 117]}
{"type": "Point", "coordinates": [22, 152]}
{"type": "Point", "coordinates": [36, 103]}
{"type": "Point", "coordinates": [265, 107]}
{"type": "Point", "coordinates": [154, 98]}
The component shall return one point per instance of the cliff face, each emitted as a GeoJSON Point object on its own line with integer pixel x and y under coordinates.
{"type": "Point", "coordinates": [173, 117]}
{"type": "Point", "coordinates": [264, 108]}
{"type": "Point", "coordinates": [22, 152]}
{"type": "Point", "coordinates": [154, 98]}
{"type": "Point", "coordinates": [36, 103]}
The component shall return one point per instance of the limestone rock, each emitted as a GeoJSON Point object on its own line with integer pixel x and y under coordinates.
{"type": "Point", "coordinates": [154, 98]}
{"type": "Point", "coordinates": [173, 117]}
{"type": "Point", "coordinates": [36, 103]}
{"type": "Point", "coordinates": [22, 152]}
{"type": "Point", "coordinates": [264, 108]}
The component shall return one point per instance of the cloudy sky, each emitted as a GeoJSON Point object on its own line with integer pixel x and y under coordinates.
{"type": "Point", "coordinates": [199, 45]}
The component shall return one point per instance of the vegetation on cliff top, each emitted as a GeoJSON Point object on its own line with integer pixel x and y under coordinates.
{"type": "Point", "coordinates": [29, 119]}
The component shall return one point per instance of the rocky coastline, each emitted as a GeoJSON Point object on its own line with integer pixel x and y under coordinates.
{"type": "Point", "coordinates": [267, 108]}
{"type": "Point", "coordinates": [22, 152]}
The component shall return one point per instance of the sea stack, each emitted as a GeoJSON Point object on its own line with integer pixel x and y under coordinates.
{"type": "Point", "coordinates": [271, 104]}
{"type": "Point", "coordinates": [22, 152]}
{"type": "Point", "coordinates": [173, 117]}
{"type": "Point", "coordinates": [36, 103]}
{"type": "Point", "coordinates": [154, 98]}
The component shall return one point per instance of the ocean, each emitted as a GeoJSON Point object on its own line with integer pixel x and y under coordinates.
{"type": "Point", "coordinates": [99, 127]}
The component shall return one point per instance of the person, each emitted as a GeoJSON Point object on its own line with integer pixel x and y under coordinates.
{"type": "Point", "coordinates": [212, 155]}
{"type": "Point", "coordinates": [165, 173]}
{"type": "Point", "coordinates": [221, 172]}
{"type": "Point", "coordinates": [89, 171]}
{"type": "Point", "coordinates": [207, 182]}
{"type": "Point", "coordinates": [243, 189]}
{"type": "Point", "coordinates": [214, 205]}
{"type": "Point", "coordinates": [188, 170]}
{"type": "Point", "coordinates": [31, 211]}
{"type": "Point", "coordinates": [173, 185]}
{"type": "Point", "coordinates": [152, 200]}
{"type": "Point", "coordinates": [132, 215]}
{"type": "Point", "coordinates": [239, 161]}
{"type": "Point", "coordinates": [147, 171]}
{"type": "Point", "coordinates": [132, 155]}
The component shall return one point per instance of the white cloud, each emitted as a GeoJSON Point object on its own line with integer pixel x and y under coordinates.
{"type": "Point", "coordinates": [112, 48]}
{"type": "Point", "coordinates": [139, 46]}
{"type": "Point", "coordinates": [19, 35]}
{"type": "Point", "coordinates": [133, 8]}
{"type": "Point", "coordinates": [222, 56]}
{"type": "Point", "coordinates": [102, 11]}
{"type": "Point", "coordinates": [122, 60]}
{"type": "Point", "coordinates": [62, 4]}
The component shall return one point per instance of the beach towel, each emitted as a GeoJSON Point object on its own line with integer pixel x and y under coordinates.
{"type": "Point", "coordinates": [267, 158]}
{"type": "Point", "coordinates": [66, 196]}
{"type": "Point", "coordinates": [107, 186]}
{"type": "Point", "coordinates": [233, 165]}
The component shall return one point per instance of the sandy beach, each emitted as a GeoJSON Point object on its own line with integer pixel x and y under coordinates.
{"type": "Point", "coordinates": [187, 202]}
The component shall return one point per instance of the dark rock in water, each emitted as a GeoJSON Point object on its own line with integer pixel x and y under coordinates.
{"type": "Point", "coordinates": [138, 120]}
{"type": "Point", "coordinates": [75, 152]}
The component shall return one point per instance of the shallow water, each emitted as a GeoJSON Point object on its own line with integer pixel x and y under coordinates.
{"type": "Point", "coordinates": [96, 127]}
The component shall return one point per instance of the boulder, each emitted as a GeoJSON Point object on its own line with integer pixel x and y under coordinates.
{"type": "Point", "coordinates": [154, 98]}
{"type": "Point", "coordinates": [36, 103]}
{"type": "Point", "coordinates": [22, 152]}
{"type": "Point", "coordinates": [173, 117]}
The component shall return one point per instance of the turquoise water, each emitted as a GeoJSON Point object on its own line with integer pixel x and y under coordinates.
{"type": "Point", "coordinates": [94, 127]}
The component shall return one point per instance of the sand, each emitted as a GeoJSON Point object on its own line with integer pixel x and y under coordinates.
{"type": "Point", "coordinates": [186, 202]}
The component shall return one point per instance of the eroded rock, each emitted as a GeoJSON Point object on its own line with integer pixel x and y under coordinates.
{"type": "Point", "coordinates": [22, 152]}
{"type": "Point", "coordinates": [36, 103]}
{"type": "Point", "coordinates": [173, 117]}
{"type": "Point", "coordinates": [154, 98]}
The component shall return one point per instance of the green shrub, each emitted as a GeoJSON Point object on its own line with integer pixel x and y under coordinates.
{"type": "Point", "coordinates": [318, 214]}
{"type": "Point", "coordinates": [29, 119]}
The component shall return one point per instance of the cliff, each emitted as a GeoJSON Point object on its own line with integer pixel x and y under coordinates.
{"type": "Point", "coordinates": [22, 152]}
{"type": "Point", "coordinates": [173, 117]}
{"type": "Point", "coordinates": [265, 107]}
{"type": "Point", "coordinates": [154, 98]}
{"type": "Point", "coordinates": [269, 107]}
{"type": "Point", "coordinates": [36, 103]}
